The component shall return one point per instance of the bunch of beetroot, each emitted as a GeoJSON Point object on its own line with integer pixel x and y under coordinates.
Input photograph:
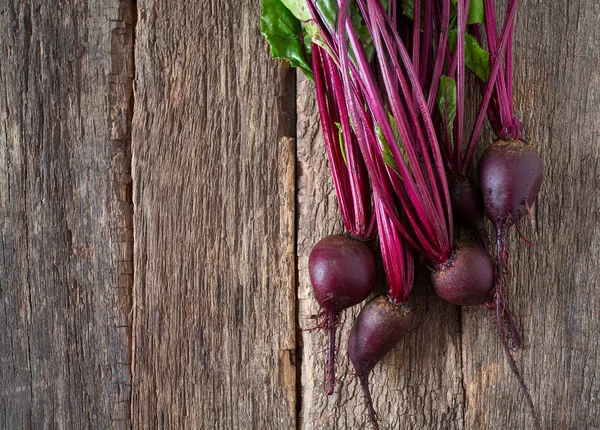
{"type": "Point", "coordinates": [390, 86]}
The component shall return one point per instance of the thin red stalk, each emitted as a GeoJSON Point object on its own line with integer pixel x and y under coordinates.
{"type": "Point", "coordinates": [387, 241]}
{"type": "Point", "coordinates": [377, 108]}
{"type": "Point", "coordinates": [510, 16]}
{"type": "Point", "coordinates": [393, 12]}
{"type": "Point", "coordinates": [460, 84]}
{"type": "Point", "coordinates": [331, 146]}
{"type": "Point", "coordinates": [491, 31]}
{"type": "Point", "coordinates": [426, 49]}
{"type": "Point", "coordinates": [416, 35]}
{"type": "Point", "coordinates": [509, 72]}
{"type": "Point", "coordinates": [440, 55]}
{"type": "Point", "coordinates": [493, 105]}
{"type": "Point", "coordinates": [453, 62]}
{"type": "Point", "coordinates": [398, 111]}
{"type": "Point", "coordinates": [446, 148]}
{"type": "Point", "coordinates": [353, 159]}
{"type": "Point", "coordinates": [430, 131]}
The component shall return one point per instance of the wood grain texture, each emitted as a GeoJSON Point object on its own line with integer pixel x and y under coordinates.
{"type": "Point", "coordinates": [227, 207]}
{"type": "Point", "coordinates": [65, 214]}
{"type": "Point", "coordinates": [213, 165]}
{"type": "Point", "coordinates": [554, 288]}
{"type": "Point", "coordinates": [419, 385]}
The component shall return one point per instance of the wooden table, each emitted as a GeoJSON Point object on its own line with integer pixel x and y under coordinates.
{"type": "Point", "coordinates": [162, 181]}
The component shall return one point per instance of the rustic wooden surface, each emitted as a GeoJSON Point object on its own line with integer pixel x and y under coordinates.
{"type": "Point", "coordinates": [65, 214]}
{"type": "Point", "coordinates": [214, 184]}
{"type": "Point", "coordinates": [555, 292]}
{"type": "Point", "coordinates": [227, 204]}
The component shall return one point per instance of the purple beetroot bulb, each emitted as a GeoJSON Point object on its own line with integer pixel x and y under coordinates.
{"type": "Point", "coordinates": [467, 205]}
{"type": "Point", "coordinates": [467, 277]}
{"type": "Point", "coordinates": [342, 271]}
{"type": "Point", "coordinates": [511, 173]}
{"type": "Point", "coordinates": [376, 331]}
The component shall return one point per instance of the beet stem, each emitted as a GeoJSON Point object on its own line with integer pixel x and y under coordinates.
{"type": "Point", "coordinates": [496, 63]}
{"type": "Point", "coordinates": [331, 324]}
{"type": "Point", "coordinates": [442, 47]}
{"type": "Point", "coordinates": [364, 384]}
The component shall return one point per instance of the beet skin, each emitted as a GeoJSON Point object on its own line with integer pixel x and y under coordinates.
{"type": "Point", "coordinates": [467, 277]}
{"type": "Point", "coordinates": [510, 174]}
{"type": "Point", "coordinates": [376, 331]}
{"type": "Point", "coordinates": [467, 205]}
{"type": "Point", "coordinates": [342, 272]}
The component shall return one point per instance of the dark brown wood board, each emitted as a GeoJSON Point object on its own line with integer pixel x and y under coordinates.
{"type": "Point", "coordinates": [66, 268]}
{"type": "Point", "coordinates": [214, 186]}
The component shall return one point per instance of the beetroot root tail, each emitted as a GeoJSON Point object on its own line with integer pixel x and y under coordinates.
{"type": "Point", "coordinates": [364, 384]}
{"type": "Point", "coordinates": [515, 370]}
{"type": "Point", "coordinates": [331, 325]}
{"type": "Point", "coordinates": [511, 336]}
{"type": "Point", "coordinates": [504, 320]}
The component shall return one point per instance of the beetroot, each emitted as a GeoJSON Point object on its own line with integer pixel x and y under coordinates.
{"type": "Point", "coordinates": [511, 173]}
{"type": "Point", "coordinates": [384, 320]}
{"type": "Point", "coordinates": [343, 274]}
{"type": "Point", "coordinates": [511, 176]}
{"type": "Point", "coordinates": [467, 206]}
{"type": "Point", "coordinates": [379, 327]}
{"type": "Point", "coordinates": [467, 277]}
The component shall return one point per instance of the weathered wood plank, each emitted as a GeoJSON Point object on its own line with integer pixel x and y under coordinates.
{"type": "Point", "coordinates": [214, 332]}
{"type": "Point", "coordinates": [554, 286]}
{"type": "Point", "coordinates": [66, 74]}
{"type": "Point", "coordinates": [419, 385]}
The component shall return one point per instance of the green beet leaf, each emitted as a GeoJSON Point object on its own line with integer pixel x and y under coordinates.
{"type": "Point", "coordinates": [285, 34]}
{"type": "Point", "coordinates": [476, 15]}
{"type": "Point", "coordinates": [388, 156]}
{"type": "Point", "coordinates": [341, 140]}
{"type": "Point", "coordinates": [476, 12]}
{"type": "Point", "coordinates": [408, 8]}
{"type": "Point", "coordinates": [446, 101]}
{"type": "Point", "coordinates": [477, 59]}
